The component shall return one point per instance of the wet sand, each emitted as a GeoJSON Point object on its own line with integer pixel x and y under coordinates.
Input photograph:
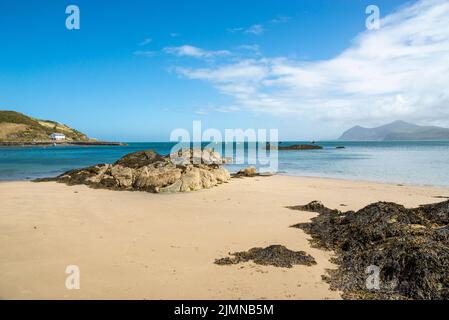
{"type": "Point", "coordinates": [136, 245]}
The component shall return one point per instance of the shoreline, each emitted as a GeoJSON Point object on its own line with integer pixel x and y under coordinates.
{"type": "Point", "coordinates": [368, 181]}
{"type": "Point", "coordinates": [138, 245]}
{"type": "Point", "coordinates": [399, 184]}
{"type": "Point", "coordinates": [59, 143]}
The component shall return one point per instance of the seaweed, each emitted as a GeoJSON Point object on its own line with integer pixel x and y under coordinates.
{"type": "Point", "coordinates": [410, 248]}
{"type": "Point", "coordinates": [275, 255]}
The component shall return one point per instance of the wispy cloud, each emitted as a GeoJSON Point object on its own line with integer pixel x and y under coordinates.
{"type": "Point", "coordinates": [233, 30]}
{"type": "Point", "coordinates": [174, 35]}
{"type": "Point", "coordinates": [256, 29]}
{"type": "Point", "coordinates": [195, 52]}
{"type": "Point", "coordinates": [144, 53]}
{"type": "Point", "coordinates": [145, 42]}
{"type": "Point", "coordinates": [280, 19]}
{"type": "Point", "coordinates": [210, 108]}
{"type": "Point", "coordinates": [400, 71]}
{"type": "Point", "coordinates": [259, 28]}
{"type": "Point", "coordinates": [250, 48]}
{"type": "Point", "coordinates": [201, 112]}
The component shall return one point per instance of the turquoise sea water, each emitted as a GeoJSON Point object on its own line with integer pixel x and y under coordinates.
{"type": "Point", "coordinates": [422, 163]}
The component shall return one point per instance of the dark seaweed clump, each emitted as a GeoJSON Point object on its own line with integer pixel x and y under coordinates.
{"type": "Point", "coordinates": [410, 247]}
{"type": "Point", "coordinates": [275, 255]}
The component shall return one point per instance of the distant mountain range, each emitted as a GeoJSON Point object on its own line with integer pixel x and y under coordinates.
{"type": "Point", "coordinates": [397, 130]}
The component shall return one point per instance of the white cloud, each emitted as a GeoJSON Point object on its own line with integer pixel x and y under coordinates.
{"type": "Point", "coordinates": [280, 19]}
{"type": "Point", "coordinates": [250, 47]}
{"type": "Point", "coordinates": [245, 71]}
{"type": "Point", "coordinates": [195, 52]}
{"type": "Point", "coordinates": [144, 53]}
{"type": "Point", "coordinates": [233, 30]}
{"type": "Point", "coordinates": [145, 42]}
{"type": "Point", "coordinates": [400, 71]}
{"type": "Point", "coordinates": [227, 109]}
{"type": "Point", "coordinates": [256, 29]}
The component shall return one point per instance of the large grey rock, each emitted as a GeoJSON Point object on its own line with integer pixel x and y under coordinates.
{"type": "Point", "coordinates": [188, 170]}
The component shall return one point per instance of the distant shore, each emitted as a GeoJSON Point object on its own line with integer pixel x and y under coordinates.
{"type": "Point", "coordinates": [59, 143]}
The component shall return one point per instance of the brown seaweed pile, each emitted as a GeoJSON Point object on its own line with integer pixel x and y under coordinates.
{"type": "Point", "coordinates": [409, 246]}
{"type": "Point", "coordinates": [275, 255]}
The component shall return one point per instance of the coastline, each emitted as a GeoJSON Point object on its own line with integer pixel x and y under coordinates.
{"type": "Point", "coordinates": [325, 178]}
{"type": "Point", "coordinates": [59, 143]}
{"type": "Point", "coordinates": [138, 245]}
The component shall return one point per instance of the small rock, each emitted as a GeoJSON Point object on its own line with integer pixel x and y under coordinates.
{"type": "Point", "coordinates": [250, 171]}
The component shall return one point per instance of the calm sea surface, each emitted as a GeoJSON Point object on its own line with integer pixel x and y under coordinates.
{"type": "Point", "coordinates": [423, 163]}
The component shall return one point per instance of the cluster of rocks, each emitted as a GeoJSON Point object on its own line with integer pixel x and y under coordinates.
{"type": "Point", "coordinates": [186, 170]}
{"type": "Point", "coordinates": [294, 147]}
{"type": "Point", "coordinates": [409, 246]}
{"type": "Point", "coordinates": [301, 147]}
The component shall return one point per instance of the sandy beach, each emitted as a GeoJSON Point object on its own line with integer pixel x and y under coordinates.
{"type": "Point", "coordinates": [137, 245]}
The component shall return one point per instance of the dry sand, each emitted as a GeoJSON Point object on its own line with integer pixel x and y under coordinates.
{"type": "Point", "coordinates": [136, 245]}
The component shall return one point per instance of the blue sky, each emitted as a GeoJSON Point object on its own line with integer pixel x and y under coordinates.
{"type": "Point", "coordinates": [136, 70]}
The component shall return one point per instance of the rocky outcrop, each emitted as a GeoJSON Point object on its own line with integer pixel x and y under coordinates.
{"type": "Point", "coordinates": [295, 147]}
{"type": "Point", "coordinates": [301, 147]}
{"type": "Point", "coordinates": [187, 170]}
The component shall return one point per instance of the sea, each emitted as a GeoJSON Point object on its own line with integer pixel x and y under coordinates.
{"type": "Point", "coordinates": [402, 162]}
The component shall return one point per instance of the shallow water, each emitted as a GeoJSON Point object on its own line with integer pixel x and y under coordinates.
{"type": "Point", "coordinates": [423, 163]}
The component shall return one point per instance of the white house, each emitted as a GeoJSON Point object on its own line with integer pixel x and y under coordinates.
{"type": "Point", "coordinates": [57, 136]}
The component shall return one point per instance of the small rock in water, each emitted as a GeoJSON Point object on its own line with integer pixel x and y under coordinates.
{"type": "Point", "coordinates": [300, 147]}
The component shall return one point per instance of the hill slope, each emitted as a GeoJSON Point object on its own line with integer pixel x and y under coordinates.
{"type": "Point", "coordinates": [15, 126]}
{"type": "Point", "coordinates": [398, 130]}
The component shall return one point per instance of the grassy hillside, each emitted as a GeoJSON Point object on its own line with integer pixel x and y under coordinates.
{"type": "Point", "coordinates": [15, 126]}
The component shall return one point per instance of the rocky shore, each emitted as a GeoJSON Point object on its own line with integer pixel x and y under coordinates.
{"type": "Point", "coordinates": [187, 170]}
{"type": "Point", "coordinates": [59, 143]}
